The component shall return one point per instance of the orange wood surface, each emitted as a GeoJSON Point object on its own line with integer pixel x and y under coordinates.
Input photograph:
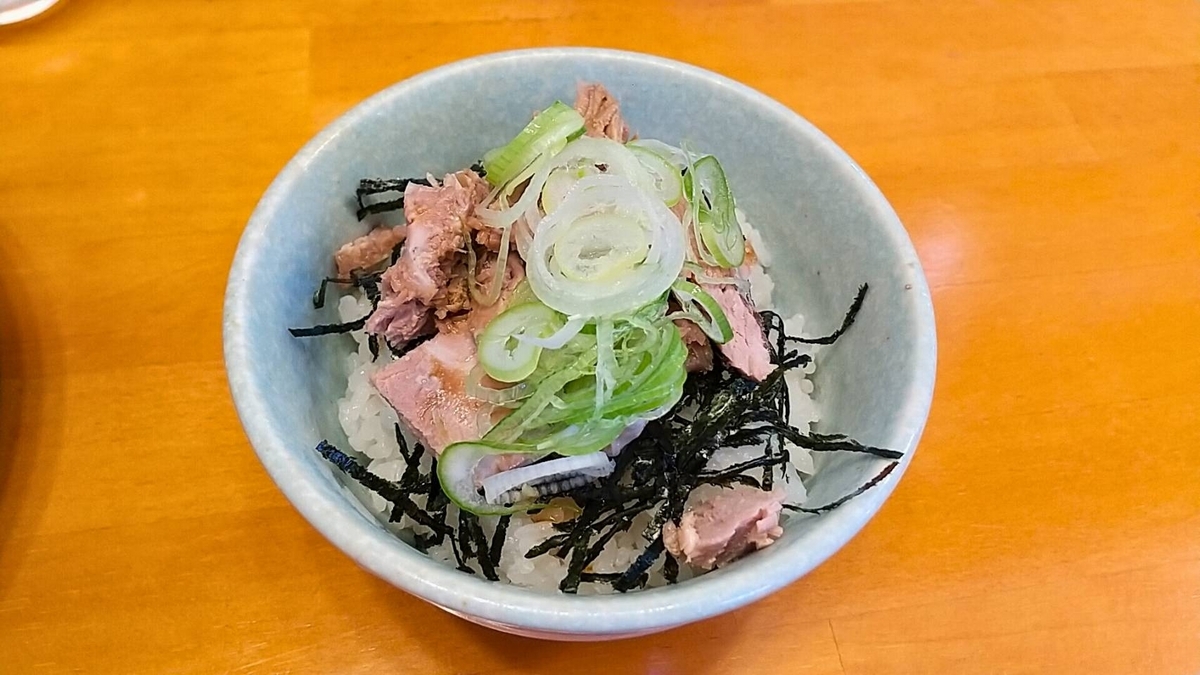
{"type": "Point", "coordinates": [1044, 155]}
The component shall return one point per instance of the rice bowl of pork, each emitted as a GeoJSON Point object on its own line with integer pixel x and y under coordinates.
{"type": "Point", "coordinates": [827, 226]}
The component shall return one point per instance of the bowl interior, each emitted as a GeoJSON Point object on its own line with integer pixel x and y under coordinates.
{"type": "Point", "coordinates": [826, 226]}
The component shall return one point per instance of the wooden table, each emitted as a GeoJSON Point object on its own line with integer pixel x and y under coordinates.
{"type": "Point", "coordinates": [1044, 154]}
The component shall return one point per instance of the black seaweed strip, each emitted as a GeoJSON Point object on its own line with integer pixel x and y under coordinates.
{"type": "Point", "coordinates": [548, 544]}
{"type": "Point", "coordinates": [740, 467]}
{"type": "Point", "coordinates": [319, 296]}
{"type": "Point", "coordinates": [374, 186]}
{"type": "Point", "coordinates": [459, 557]}
{"type": "Point", "coordinates": [775, 444]}
{"type": "Point", "coordinates": [369, 283]}
{"type": "Point", "coordinates": [828, 437]}
{"type": "Point", "coordinates": [582, 531]}
{"type": "Point", "coordinates": [570, 582]}
{"type": "Point", "coordinates": [666, 463]}
{"type": "Point", "coordinates": [383, 488]}
{"type": "Point", "coordinates": [482, 554]}
{"type": "Point", "coordinates": [498, 539]}
{"type": "Point", "coordinates": [579, 563]}
{"type": "Point", "coordinates": [372, 292]}
{"type": "Point", "coordinates": [848, 445]}
{"type": "Point", "coordinates": [671, 569]}
{"type": "Point", "coordinates": [380, 207]}
{"type": "Point", "coordinates": [630, 577]}
{"type": "Point", "coordinates": [396, 514]}
{"type": "Point", "coordinates": [621, 525]}
{"type": "Point", "coordinates": [436, 504]}
{"type": "Point", "coordinates": [593, 499]}
{"type": "Point", "coordinates": [768, 477]}
{"type": "Point", "coordinates": [729, 481]}
{"type": "Point", "coordinates": [402, 443]}
{"type": "Point", "coordinates": [628, 512]}
{"type": "Point", "coordinates": [599, 577]}
{"type": "Point", "coordinates": [746, 437]}
{"type": "Point", "coordinates": [329, 328]}
{"type": "Point", "coordinates": [437, 501]}
{"type": "Point", "coordinates": [412, 344]}
{"type": "Point", "coordinates": [421, 543]}
{"type": "Point", "coordinates": [847, 322]}
{"type": "Point", "coordinates": [411, 480]}
{"type": "Point", "coordinates": [838, 502]}
{"type": "Point", "coordinates": [466, 542]}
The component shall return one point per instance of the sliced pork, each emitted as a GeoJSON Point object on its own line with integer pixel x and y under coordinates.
{"type": "Point", "coordinates": [436, 234]}
{"type": "Point", "coordinates": [427, 387]}
{"type": "Point", "coordinates": [699, 348]}
{"type": "Point", "coordinates": [429, 277]}
{"type": "Point", "coordinates": [399, 321]}
{"type": "Point", "coordinates": [369, 250]}
{"type": "Point", "coordinates": [455, 296]}
{"type": "Point", "coordinates": [480, 316]}
{"type": "Point", "coordinates": [601, 113]}
{"type": "Point", "coordinates": [485, 235]}
{"type": "Point", "coordinates": [725, 525]}
{"type": "Point", "coordinates": [747, 351]}
{"type": "Point", "coordinates": [457, 195]}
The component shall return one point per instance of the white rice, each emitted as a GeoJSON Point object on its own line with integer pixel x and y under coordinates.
{"type": "Point", "coordinates": [369, 423]}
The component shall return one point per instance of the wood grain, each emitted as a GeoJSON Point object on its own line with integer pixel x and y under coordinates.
{"type": "Point", "coordinates": [1044, 154]}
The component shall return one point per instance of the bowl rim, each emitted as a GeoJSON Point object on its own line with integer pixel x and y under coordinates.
{"type": "Point", "coordinates": [503, 605]}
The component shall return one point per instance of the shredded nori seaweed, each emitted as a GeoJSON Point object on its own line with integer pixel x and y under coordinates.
{"type": "Point", "coordinates": [329, 328]}
{"type": "Point", "coordinates": [465, 542]}
{"type": "Point", "coordinates": [656, 472]}
{"type": "Point", "coordinates": [397, 494]}
{"type": "Point", "coordinates": [845, 498]}
{"type": "Point", "coordinates": [469, 530]}
{"type": "Point", "coordinates": [847, 322]}
{"type": "Point", "coordinates": [436, 504]}
{"type": "Point", "coordinates": [412, 344]}
{"type": "Point", "coordinates": [370, 187]}
{"type": "Point", "coordinates": [671, 456]}
{"type": "Point", "coordinates": [599, 577]}
{"type": "Point", "coordinates": [671, 569]}
{"type": "Point", "coordinates": [413, 480]}
{"type": "Point", "coordinates": [402, 443]}
{"type": "Point", "coordinates": [367, 282]}
{"type": "Point", "coordinates": [498, 540]}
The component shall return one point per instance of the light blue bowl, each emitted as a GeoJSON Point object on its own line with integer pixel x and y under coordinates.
{"type": "Point", "coordinates": [828, 229]}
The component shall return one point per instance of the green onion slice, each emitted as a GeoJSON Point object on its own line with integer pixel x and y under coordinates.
{"type": "Point", "coordinates": [456, 473]}
{"type": "Point", "coordinates": [506, 358]}
{"type": "Point", "coordinates": [608, 249]}
{"type": "Point", "coordinates": [548, 133]}
{"type": "Point", "coordinates": [667, 179]}
{"type": "Point", "coordinates": [702, 309]}
{"type": "Point", "coordinates": [716, 224]}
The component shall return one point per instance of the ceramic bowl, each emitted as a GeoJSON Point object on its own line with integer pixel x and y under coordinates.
{"type": "Point", "coordinates": [826, 226]}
